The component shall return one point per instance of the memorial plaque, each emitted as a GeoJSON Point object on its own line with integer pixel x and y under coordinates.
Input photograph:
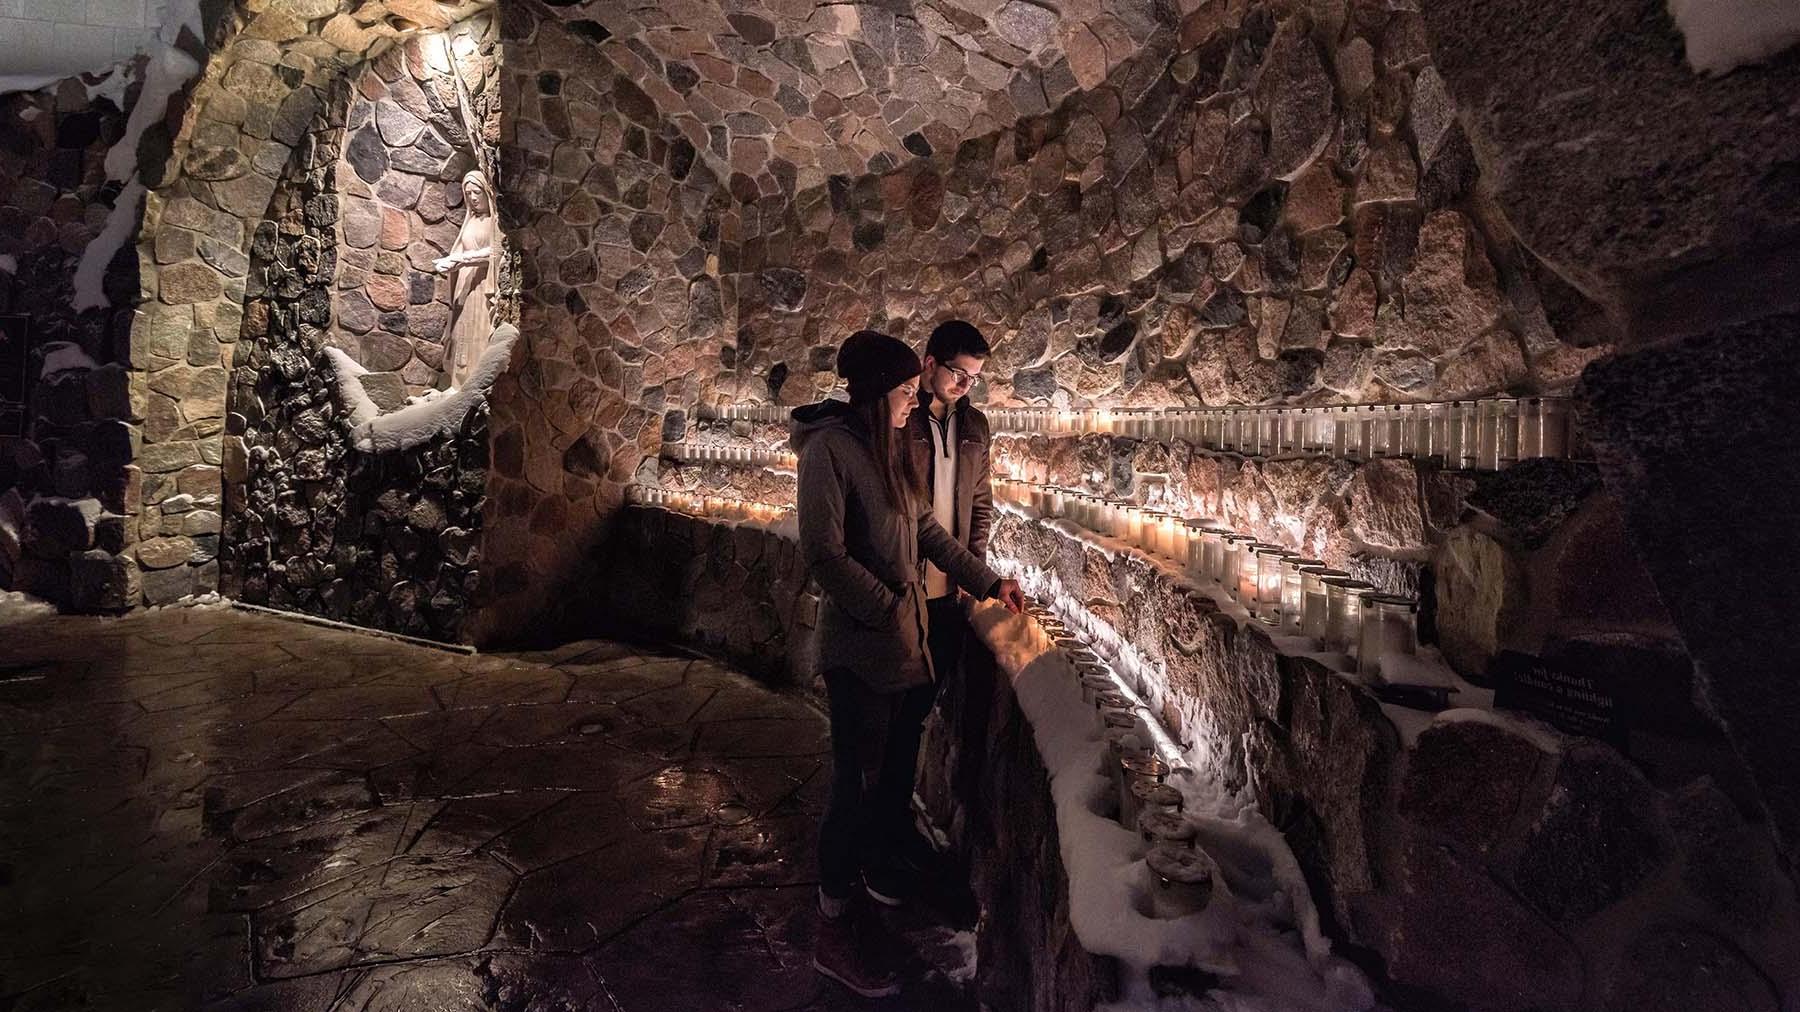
{"type": "Point", "coordinates": [15, 355]}
{"type": "Point", "coordinates": [1558, 694]}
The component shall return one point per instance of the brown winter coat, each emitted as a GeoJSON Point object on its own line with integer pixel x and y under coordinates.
{"type": "Point", "coordinates": [868, 556]}
{"type": "Point", "coordinates": [974, 483]}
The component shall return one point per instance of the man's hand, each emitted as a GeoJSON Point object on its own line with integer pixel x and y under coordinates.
{"type": "Point", "coordinates": [1010, 595]}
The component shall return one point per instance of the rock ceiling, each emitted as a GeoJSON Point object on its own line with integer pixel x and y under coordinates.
{"type": "Point", "coordinates": [776, 87]}
{"type": "Point", "coordinates": [782, 93]}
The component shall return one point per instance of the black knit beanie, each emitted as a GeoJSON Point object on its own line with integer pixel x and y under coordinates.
{"type": "Point", "coordinates": [873, 363]}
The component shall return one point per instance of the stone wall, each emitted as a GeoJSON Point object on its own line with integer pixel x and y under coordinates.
{"type": "Point", "coordinates": [69, 491]}
{"type": "Point", "coordinates": [619, 224]}
{"type": "Point", "coordinates": [1666, 202]}
{"type": "Point", "coordinates": [209, 167]}
{"type": "Point", "coordinates": [1265, 205]}
{"type": "Point", "coordinates": [1588, 872]}
{"type": "Point", "coordinates": [737, 591]}
{"type": "Point", "coordinates": [400, 176]}
{"type": "Point", "coordinates": [370, 199]}
{"type": "Point", "coordinates": [1468, 862]}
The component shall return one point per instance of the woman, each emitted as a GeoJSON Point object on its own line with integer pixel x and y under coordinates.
{"type": "Point", "coordinates": [472, 268]}
{"type": "Point", "coordinates": [864, 523]}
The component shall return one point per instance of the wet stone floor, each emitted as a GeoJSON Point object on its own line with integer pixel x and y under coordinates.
{"type": "Point", "coordinates": [202, 808]}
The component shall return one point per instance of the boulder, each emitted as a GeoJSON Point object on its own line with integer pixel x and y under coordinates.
{"type": "Point", "coordinates": [1480, 593]}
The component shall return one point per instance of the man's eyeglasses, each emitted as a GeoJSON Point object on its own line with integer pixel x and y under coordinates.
{"type": "Point", "coordinates": [963, 377]}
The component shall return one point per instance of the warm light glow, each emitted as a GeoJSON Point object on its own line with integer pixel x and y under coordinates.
{"type": "Point", "coordinates": [1486, 434]}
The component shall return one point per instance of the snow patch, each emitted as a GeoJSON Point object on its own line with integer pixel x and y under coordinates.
{"type": "Point", "coordinates": [113, 84]}
{"type": "Point", "coordinates": [167, 72]}
{"type": "Point", "coordinates": [65, 356]}
{"type": "Point", "coordinates": [358, 406]}
{"type": "Point", "coordinates": [90, 273]}
{"type": "Point", "coordinates": [17, 606]}
{"type": "Point", "coordinates": [1722, 35]}
{"type": "Point", "coordinates": [416, 424]}
{"type": "Point", "coordinates": [965, 943]}
{"type": "Point", "coordinates": [10, 83]}
{"type": "Point", "coordinates": [210, 599]}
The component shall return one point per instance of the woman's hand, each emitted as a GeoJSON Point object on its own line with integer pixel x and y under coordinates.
{"type": "Point", "coordinates": [443, 264]}
{"type": "Point", "coordinates": [1009, 594]}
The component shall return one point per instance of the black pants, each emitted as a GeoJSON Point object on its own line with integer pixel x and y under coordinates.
{"type": "Point", "coordinates": [875, 758]}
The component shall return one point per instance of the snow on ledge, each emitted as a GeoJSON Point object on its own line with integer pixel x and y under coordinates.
{"type": "Point", "coordinates": [1722, 35]}
{"type": "Point", "coordinates": [1259, 933]}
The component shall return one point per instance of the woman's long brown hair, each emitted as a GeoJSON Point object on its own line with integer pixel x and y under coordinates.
{"type": "Point", "coordinates": [893, 455]}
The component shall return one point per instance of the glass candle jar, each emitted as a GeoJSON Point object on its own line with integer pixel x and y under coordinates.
{"type": "Point", "coordinates": [1384, 430]}
{"type": "Point", "coordinates": [1162, 824]}
{"type": "Point", "coordinates": [1093, 685]}
{"type": "Point", "coordinates": [1343, 605]}
{"type": "Point", "coordinates": [1459, 434]}
{"type": "Point", "coordinates": [1172, 535]}
{"type": "Point", "coordinates": [1293, 591]}
{"type": "Point", "coordinates": [1348, 434]}
{"type": "Point", "coordinates": [1212, 554]}
{"type": "Point", "coordinates": [1135, 768]}
{"type": "Point", "coordinates": [1314, 609]}
{"type": "Point", "coordinates": [1553, 426]}
{"type": "Point", "coordinates": [1388, 629]}
{"type": "Point", "coordinates": [1267, 586]}
{"type": "Point", "coordinates": [1149, 530]}
{"type": "Point", "coordinates": [1407, 416]}
{"type": "Point", "coordinates": [1487, 435]}
{"type": "Point", "coordinates": [1116, 719]}
{"type": "Point", "coordinates": [1305, 430]}
{"type": "Point", "coordinates": [1113, 701]}
{"type": "Point", "coordinates": [1233, 549]}
{"type": "Point", "coordinates": [1187, 545]}
{"type": "Point", "coordinates": [1506, 428]}
{"type": "Point", "coordinates": [1374, 417]}
{"type": "Point", "coordinates": [1181, 881]}
{"type": "Point", "coordinates": [1432, 431]}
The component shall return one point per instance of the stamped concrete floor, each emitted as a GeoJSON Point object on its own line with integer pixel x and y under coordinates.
{"type": "Point", "coordinates": [202, 808]}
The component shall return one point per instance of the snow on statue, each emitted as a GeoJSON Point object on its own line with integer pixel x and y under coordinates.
{"type": "Point", "coordinates": [473, 272]}
{"type": "Point", "coordinates": [407, 427]}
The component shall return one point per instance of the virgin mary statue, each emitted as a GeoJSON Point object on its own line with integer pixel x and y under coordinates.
{"type": "Point", "coordinates": [472, 267]}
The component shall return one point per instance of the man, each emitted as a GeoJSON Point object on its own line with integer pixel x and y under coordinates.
{"type": "Point", "coordinates": [949, 439]}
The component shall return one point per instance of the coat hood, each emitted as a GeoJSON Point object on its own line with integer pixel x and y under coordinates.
{"type": "Point", "coordinates": [809, 420]}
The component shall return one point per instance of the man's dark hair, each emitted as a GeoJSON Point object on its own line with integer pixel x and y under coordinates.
{"type": "Point", "coordinates": [956, 337]}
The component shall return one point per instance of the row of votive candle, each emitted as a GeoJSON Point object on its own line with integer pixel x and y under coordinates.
{"type": "Point", "coordinates": [716, 506]}
{"type": "Point", "coordinates": [749, 412]}
{"type": "Point", "coordinates": [731, 454]}
{"type": "Point", "coordinates": [1180, 875]}
{"type": "Point", "coordinates": [1295, 595]}
{"type": "Point", "coordinates": [1486, 434]}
